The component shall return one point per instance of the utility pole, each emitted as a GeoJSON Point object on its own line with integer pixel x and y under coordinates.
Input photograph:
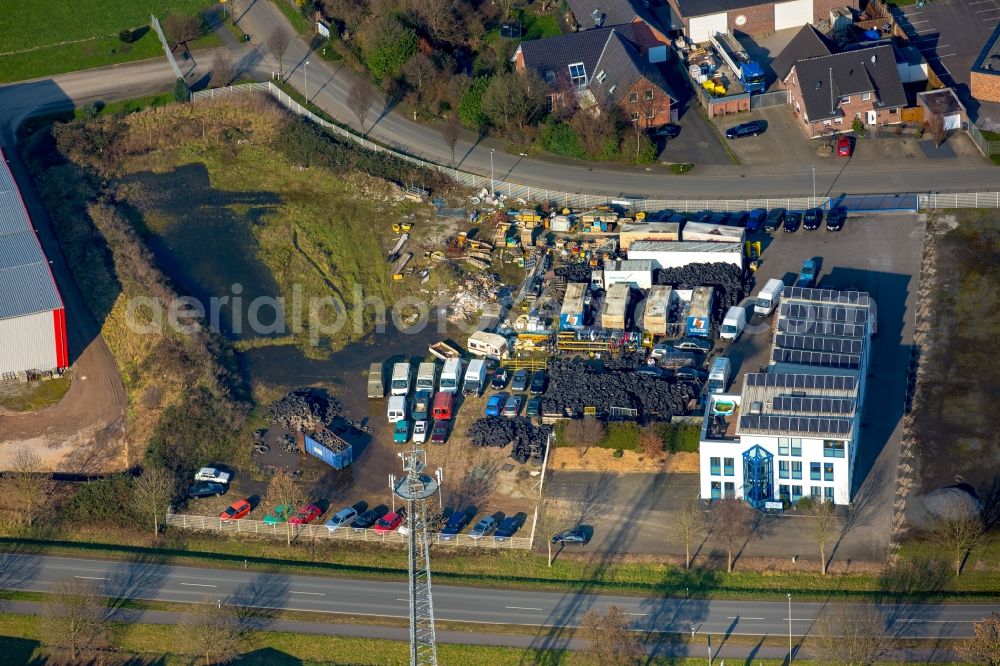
{"type": "Point", "coordinates": [814, 181]}
{"type": "Point", "coordinates": [789, 628]}
{"type": "Point", "coordinates": [305, 68]}
{"type": "Point", "coordinates": [493, 185]}
{"type": "Point", "coordinates": [710, 650]}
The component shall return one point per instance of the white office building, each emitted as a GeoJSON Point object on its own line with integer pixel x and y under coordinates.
{"type": "Point", "coordinates": [793, 431]}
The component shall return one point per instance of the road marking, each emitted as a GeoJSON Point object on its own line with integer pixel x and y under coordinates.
{"type": "Point", "coordinates": [916, 22]}
{"type": "Point", "coordinates": [737, 617]}
{"type": "Point", "coordinates": [91, 577]}
{"type": "Point", "coordinates": [402, 599]}
{"type": "Point", "coordinates": [639, 614]}
{"type": "Point", "coordinates": [947, 55]}
{"type": "Point", "coordinates": [798, 619]}
{"type": "Point", "coordinates": [983, 11]}
{"type": "Point", "coordinates": [520, 608]}
{"type": "Point", "coordinates": [980, 2]}
{"type": "Point", "coordinates": [198, 585]}
{"type": "Point", "coordinates": [315, 594]}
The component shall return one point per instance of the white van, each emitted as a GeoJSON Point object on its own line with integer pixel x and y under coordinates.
{"type": "Point", "coordinates": [718, 375]}
{"type": "Point", "coordinates": [734, 323]}
{"type": "Point", "coordinates": [426, 376]}
{"type": "Point", "coordinates": [400, 379]}
{"type": "Point", "coordinates": [769, 297]}
{"type": "Point", "coordinates": [451, 375]}
{"type": "Point", "coordinates": [396, 411]}
{"type": "Point", "coordinates": [475, 378]}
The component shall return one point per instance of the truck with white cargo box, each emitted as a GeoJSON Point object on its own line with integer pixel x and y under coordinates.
{"type": "Point", "coordinates": [426, 376]}
{"type": "Point", "coordinates": [451, 375]}
{"type": "Point", "coordinates": [769, 297]}
{"type": "Point", "coordinates": [376, 383]}
{"type": "Point", "coordinates": [699, 317]}
{"type": "Point", "coordinates": [400, 379]}
{"type": "Point", "coordinates": [396, 410]}
{"type": "Point", "coordinates": [475, 378]}
{"type": "Point", "coordinates": [718, 375]}
{"type": "Point", "coordinates": [734, 323]}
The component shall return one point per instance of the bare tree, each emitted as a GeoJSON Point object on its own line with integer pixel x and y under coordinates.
{"type": "Point", "coordinates": [824, 520]}
{"type": "Point", "coordinates": [278, 42]}
{"type": "Point", "coordinates": [938, 132]}
{"type": "Point", "coordinates": [284, 496]}
{"type": "Point", "coordinates": [584, 433]}
{"type": "Point", "coordinates": [449, 132]}
{"type": "Point", "coordinates": [75, 621]}
{"type": "Point", "coordinates": [959, 530]}
{"type": "Point", "coordinates": [29, 483]}
{"type": "Point", "coordinates": [152, 493]}
{"type": "Point", "coordinates": [223, 71]}
{"type": "Point", "coordinates": [733, 520]}
{"type": "Point", "coordinates": [983, 648]}
{"type": "Point", "coordinates": [419, 70]}
{"type": "Point", "coordinates": [610, 641]}
{"type": "Point", "coordinates": [360, 99]}
{"type": "Point", "coordinates": [438, 16]}
{"type": "Point", "coordinates": [687, 525]}
{"type": "Point", "coordinates": [181, 28]}
{"type": "Point", "coordinates": [213, 630]}
{"type": "Point", "coordinates": [852, 635]}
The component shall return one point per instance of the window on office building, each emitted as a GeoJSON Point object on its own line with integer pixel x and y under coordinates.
{"type": "Point", "coordinates": [714, 466]}
{"type": "Point", "coordinates": [828, 471]}
{"type": "Point", "coordinates": [815, 492]}
{"type": "Point", "coordinates": [784, 493]}
{"type": "Point", "coordinates": [828, 494]}
{"type": "Point", "coordinates": [833, 448]}
{"type": "Point", "coordinates": [727, 467]}
{"type": "Point", "coordinates": [730, 489]}
{"type": "Point", "coordinates": [796, 469]}
{"type": "Point", "coordinates": [796, 443]}
{"type": "Point", "coordinates": [814, 471]}
{"type": "Point", "coordinates": [782, 446]}
{"type": "Point", "coordinates": [796, 493]}
{"type": "Point", "coordinates": [716, 489]}
{"type": "Point", "coordinates": [782, 469]}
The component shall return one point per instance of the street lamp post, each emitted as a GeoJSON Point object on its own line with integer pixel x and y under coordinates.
{"type": "Point", "coordinates": [710, 650]}
{"type": "Point", "coordinates": [305, 68]}
{"type": "Point", "coordinates": [789, 628]}
{"type": "Point", "coordinates": [493, 185]}
{"type": "Point", "coordinates": [814, 184]}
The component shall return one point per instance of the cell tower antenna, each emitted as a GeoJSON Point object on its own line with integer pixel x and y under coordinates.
{"type": "Point", "coordinates": [415, 488]}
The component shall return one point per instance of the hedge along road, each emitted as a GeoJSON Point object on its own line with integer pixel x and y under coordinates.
{"type": "Point", "coordinates": [329, 86]}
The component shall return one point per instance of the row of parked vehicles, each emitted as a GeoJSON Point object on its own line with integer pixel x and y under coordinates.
{"type": "Point", "coordinates": [812, 219]}
{"type": "Point", "coordinates": [447, 524]}
{"type": "Point", "coordinates": [761, 218]}
{"type": "Point", "coordinates": [509, 404]}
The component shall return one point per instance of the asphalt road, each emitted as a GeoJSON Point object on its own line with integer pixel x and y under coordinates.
{"type": "Point", "coordinates": [329, 86]}
{"type": "Point", "coordinates": [150, 581]}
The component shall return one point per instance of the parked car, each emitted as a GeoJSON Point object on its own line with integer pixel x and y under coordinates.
{"type": "Point", "coordinates": [342, 518]}
{"type": "Point", "coordinates": [702, 345]}
{"type": "Point", "coordinates": [807, 276]}
{"type": "Point", "coordinates": [494, 406]}
{"type": "Point", "coordinates": [539, 382]}
{"type": "Point", "coordinates": [774, 219]}
{"type": "Point", "coordinates": [513, 406]}
{"type": "Point", "coordinates": [500, 378]}
{"type": "Point", "coordinates": [520, 382]}
{"type": "Point", "coordinates": [719, 219]}
{"type": "Point", "coordinates": [752, 128]}
{"type": "Point", "coordinates": [666, 132]}
{"type": "Point", "coordinates": [691, 374]}
{"type": "Point", "coordinates": [484, 527]}
{"type": "Point", "coordinates": [401, 433]}
{"type": "Point", "coordinates": [211, 474]}
{"type": "Point", "coordinates": [534, 407]}
{"type": "Point", "coordinates": [279, 515]}
{"type": "Point", "coordinates": [205, 489]}
{"type": "Point", "coordinates": [653, 371]}
{"type": "Point", "coordinates": [508, 527]}
{"type": "Point", "coordinates": [755, 220]}
{"type": "Point", "coordinates": [575, 535]}
{"type": "Point", "coordinates": [812, 219]}
{"type": "Point", "coordinates": [738, 219]}
{"type": "Point", "coordinates": [835, 218]}
{"type": "Point", "coordinates": [390, 522]}
{"type": "Point", "coordinates": [306, 514]}
{"type": "Point", "coordinates": [439, 434]}
{"type": "Point", "coordinates": [456, 523]}
{"type": "Point", "coordinates": [369, 517]}
{"type": "Point", "coordinates": [420, 432]}
{"type": "Point", "coordinates": [236, 510]}
{"type": "Point", "coordinates": [792, 221]}
{"type": "Point", "coordinates": [844, 146]}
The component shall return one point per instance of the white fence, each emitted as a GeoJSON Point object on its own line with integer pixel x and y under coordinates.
{"type": "Point", "coordinates": [320, 532]}
{"type": "Point", "coordinates": [960, 200]}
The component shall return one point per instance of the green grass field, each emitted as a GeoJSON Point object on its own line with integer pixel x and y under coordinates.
{"type": "Point", "coordinates": [40, 39]}
{"type": "Point", "coordinates": [36, 395]}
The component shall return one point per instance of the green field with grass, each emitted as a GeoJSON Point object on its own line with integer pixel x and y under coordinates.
{"type": "Point", "coordinates": [36, 395]}
{"type": "Point", "coordinates": [40, 39]}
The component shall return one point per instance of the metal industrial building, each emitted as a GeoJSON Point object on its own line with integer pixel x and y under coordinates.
{"type": "Point", "coordinates": [32, 316]}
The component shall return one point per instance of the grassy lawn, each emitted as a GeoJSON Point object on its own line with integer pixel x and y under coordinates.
{"type": "Point", "coordinates": [298, 21]}
{"type": "Point", "coordinates": [91, 26]}
{"type": "Point", "coordinates": [36, 395]}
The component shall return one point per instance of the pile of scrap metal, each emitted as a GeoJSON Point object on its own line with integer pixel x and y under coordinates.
{"type": "Point", "coordinates": [477, 253]}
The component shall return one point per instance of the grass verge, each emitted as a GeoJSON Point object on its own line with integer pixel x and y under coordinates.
{"type": "Point", "coordinates": [298, 21]}
{"type": "Point", "coordinates": [35, 395]}
{"type": "Point", "coordinates": [680, 168]}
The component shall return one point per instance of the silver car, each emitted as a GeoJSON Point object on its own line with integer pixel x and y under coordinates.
{"type": "Point", "coordinates": [484, 527]}
{"type": "Point", "coordinates": [342, 518]}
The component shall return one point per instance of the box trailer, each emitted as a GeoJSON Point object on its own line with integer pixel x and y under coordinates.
{"type": "Point", "coordinates": [699, 318]}
{"type": "Point", "coordinates": [332, 449]}
{"type": "Point", "coordinates": [573, 313]}
{"type": "Point", "coordinates": [400, 379]}
{"type": "Point", "coordinates": [614, 314]}
{"type": "Point", "coordinates": [671, 254]}
{"type": "Point", "coordinates": [376, 382]}
{"type": "Point", "coordinates": [491, 345]}
{"type": "Point", "coordinates": [426, 376]}
{"type": "Point", "coordinates": [656, 316]}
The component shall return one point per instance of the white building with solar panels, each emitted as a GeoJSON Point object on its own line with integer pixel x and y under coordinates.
{"type": "Point", "coordinates": [793, 431]}
{"type": "Point", "coordinates": [32, 317]}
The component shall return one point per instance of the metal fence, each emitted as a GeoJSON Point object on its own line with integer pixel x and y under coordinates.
{"type": "Point", "coordinates": [766, 100]}
{"type": "Point", "coordinates": [960, 200]}
{"type": "Point", "coordinates": [320, 532]}
{"type": "Point", "coordinates": [985, 146]}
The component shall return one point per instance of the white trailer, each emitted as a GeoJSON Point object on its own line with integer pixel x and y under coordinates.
{"type": "Point", "coordinates": [676, 254]}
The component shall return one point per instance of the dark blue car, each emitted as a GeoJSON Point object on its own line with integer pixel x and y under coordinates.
{"type": "Point", "coordinates": [756, 220]}
{"type": "Point", "coordinates": [455, 524]}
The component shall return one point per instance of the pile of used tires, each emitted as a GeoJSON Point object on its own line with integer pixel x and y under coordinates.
{"type": "Point", "coordinates": [731, 284]}
{"type": "Point", "coordinates": [575, 272]}
{"type": "Point", "coordinates": [496, 431]}
{"type": "Point", "coordinates": [304, 410]}
{"type": "Point", "coordinates": [574, 385]}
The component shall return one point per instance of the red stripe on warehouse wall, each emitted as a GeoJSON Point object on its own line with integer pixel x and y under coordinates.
{"type": "Point", "coordinates": [62, 347]}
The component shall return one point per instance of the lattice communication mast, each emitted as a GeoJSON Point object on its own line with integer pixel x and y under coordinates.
{"type": "Point", "coordinates": [416, 488]}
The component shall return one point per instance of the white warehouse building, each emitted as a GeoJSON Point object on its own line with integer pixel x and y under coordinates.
{"type": "Point", "coordinates": [675, 254]}
{"type": "Point", "coordinates": [794, 430]}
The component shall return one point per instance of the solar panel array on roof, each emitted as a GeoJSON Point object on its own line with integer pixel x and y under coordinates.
{"type": "Point", "coordinates": [796, 403]}
{"type": "Point", "coordinates": [818, 343]}
{"type": "Point", "coordinates": [824, 312]}
{"type": "Point", "coordinates": [827, 295]}
{"type": "Point", "coordinates": [821, 328]}
{"type": "Point", "coordinates": [822, 359]}
{"type": "Point", "coordinates": [802, 424]}
{"type": "Point", "coordinates": [786, 380]}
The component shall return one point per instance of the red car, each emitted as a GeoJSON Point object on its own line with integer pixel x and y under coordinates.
{"type": "Point", "coordinates": [844, 146]}
{"type": "Point", "coordinates": [236, 510]}
{"type": "Point", "coordinates": [306, 514]}
{"type": "Point", "coordinates": [390, 522]}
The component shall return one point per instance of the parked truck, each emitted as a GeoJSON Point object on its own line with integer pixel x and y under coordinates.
{"type": "Point", "coordinates": [426, 376]}
{"type": "Point", "coordinates": [421, 405]}
{"type": "Point", "coordinates": [769, 297]}
{"type": "Point", "coordinates": [475, 378]}
{"type": "Point", "coordinates": [376, 382]}
{"type": "Point", "coordinates": [451, 375]}
{"type": "Point", "coordinates": [400, 379]}
{"type": "Point", "coordinates": [718, 375]}
{"type": "Point", "coordinates": [699, 318]}
{"type": "Point", "coordinates": [749, 72]}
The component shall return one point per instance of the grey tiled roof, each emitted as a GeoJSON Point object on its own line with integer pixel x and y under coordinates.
{"type": "Point", "coordinates": [557, 53]}
{"type": "Point", "coordinates": [614, 12]}
{"type": "Point", "coordinates": [807, 43]}
{"type": "Point", "coordinates": [691, 8]}
{"type": "Point", "coordinates": [826, 79]}
{"type": "Point", "coordinates": [622, 65]}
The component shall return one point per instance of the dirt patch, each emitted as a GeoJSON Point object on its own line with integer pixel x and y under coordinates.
{"type": "Point", "coordinates": [603, 460]}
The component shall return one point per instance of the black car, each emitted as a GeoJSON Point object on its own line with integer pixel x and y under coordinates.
{"type": "Point", "coordinates": [835, 219]}
{"type": "Point", "coordinates": [792, 221]}
{"type": "Point", "coordinates": [520, 382]}
{"type": "Point", "coordinates": [774, 219]}
{"type": "Point", "coordinates": [812, 219]}
{"type": "Point", "coordinates": [752, 128]}
{"type": "Point", "coordinates": [205, 489]}
{"type": "Point", "coordinates": [719, 219]}
{"type": "Point", "coordinates": [575, 535]}
{"type": "Point", "coordinates": [539, 382]}
{"type": "Point", "coordinates": [455, 524]}
{"type": "Point", "coordinates": [369, 518]}
{"type": "Point", "coordinates": [738, 219]}
{"type": "Point", "coordinates": [508, 527]}
{"type": "Point", "coordinates": [500, 378]}
{"type": "Point", "coordinates": [691, 374]}
{"type": "Point", "coordinates": [667, 132]}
